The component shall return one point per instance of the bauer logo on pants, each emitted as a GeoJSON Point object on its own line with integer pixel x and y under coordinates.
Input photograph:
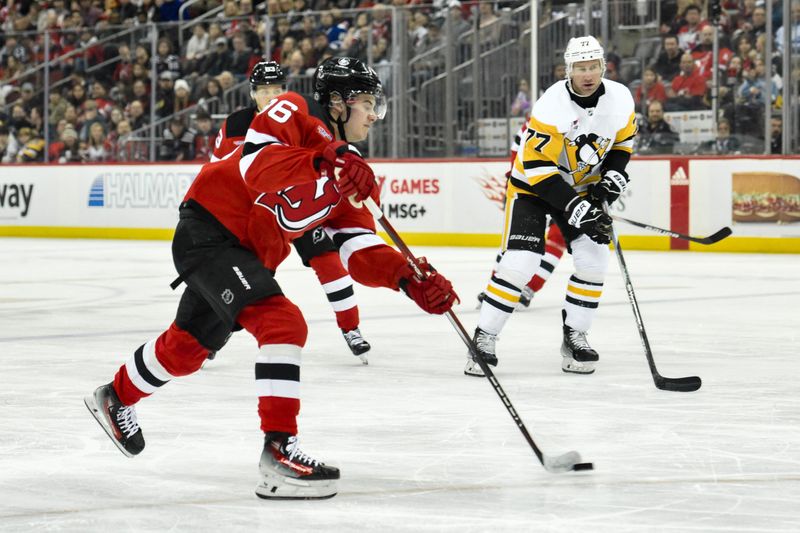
{"type": "Point", "coordinates": [227, 296]}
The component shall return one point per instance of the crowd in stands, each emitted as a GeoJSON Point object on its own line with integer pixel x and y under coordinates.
{"type": "Point", "coordinates": [103, 94]}
{"type": "Point", "coordinates": [680, 77]}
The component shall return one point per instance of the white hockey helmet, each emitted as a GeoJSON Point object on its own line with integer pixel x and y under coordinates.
{"type": "Point", "coordinates": [584, 48]}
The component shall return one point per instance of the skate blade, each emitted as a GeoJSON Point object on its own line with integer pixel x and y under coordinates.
{"type": "Point", "coordinates": [91, 405]}
{"type": "Point", "coordinates": [571, 366]}
{"type": "Point", "coordinates": [285, 488]}
{"type": "Point", "coordinates": [473, 369]}
{"type": "Point", "coordinates": [364, 358]}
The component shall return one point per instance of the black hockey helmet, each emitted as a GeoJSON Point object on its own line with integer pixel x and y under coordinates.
{"type": "Point", "coordinates": [267, 73]}
{"type": "Point", "coordinates": [347, 77]}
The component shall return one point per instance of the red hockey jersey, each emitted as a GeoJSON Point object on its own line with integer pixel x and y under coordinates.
{"type": "Point", "coordinates": [232, 132]}
{"type": "Point", "coordinates": [270, 191]}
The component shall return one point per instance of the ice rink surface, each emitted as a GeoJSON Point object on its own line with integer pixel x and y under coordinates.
{"type": "Point", "coordinates": [421, 446]}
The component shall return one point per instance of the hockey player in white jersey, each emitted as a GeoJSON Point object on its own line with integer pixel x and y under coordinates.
{"type": "Point", "coordinates": [578, 143]}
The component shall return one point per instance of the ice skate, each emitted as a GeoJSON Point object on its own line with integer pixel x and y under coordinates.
{"type": "Point", "coordinates": [357, 344]}
{"type": "Point", "coordinates": [289, 474]}
{"type": "Point", "coordinates": [577, 356]}
{"type": "Point", "coordinates": [525, 297]}
{"type": "Point", "coordinates": [116, 419]}
{"type": "Point", "coordinates": [484, 342]}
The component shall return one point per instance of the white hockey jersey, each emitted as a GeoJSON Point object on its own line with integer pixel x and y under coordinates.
{"type": "Point", "coordinates": [565, 139]}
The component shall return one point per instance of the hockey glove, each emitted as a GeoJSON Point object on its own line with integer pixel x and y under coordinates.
{"type": "Point", "coordinates": [355, 179]}
{"type": "Point", "coordinates": [609, 188]}
{"type": "Point", "coordinates": [590, 219]}
{"type": "Point", "coordinates": [434, 294]}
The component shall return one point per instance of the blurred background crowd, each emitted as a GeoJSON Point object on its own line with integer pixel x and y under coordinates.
{"type": "Point", "coordinates": [151, 80]}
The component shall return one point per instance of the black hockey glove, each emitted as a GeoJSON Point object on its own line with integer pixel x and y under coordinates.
{"type": "Point", "coordinates": [590, 219]}
{"type": "Point", "coordinates": [609, 188]}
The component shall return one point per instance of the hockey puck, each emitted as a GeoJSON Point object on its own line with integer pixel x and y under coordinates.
{"type": "Point", "coordinates": [583, 466]}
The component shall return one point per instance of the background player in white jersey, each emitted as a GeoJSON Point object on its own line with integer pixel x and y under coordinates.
{"type": "Point", "coordinates": [578, 143]}
{"type": "Point", "coordinates": [315, 248]}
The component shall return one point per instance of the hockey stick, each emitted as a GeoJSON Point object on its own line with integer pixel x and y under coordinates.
{"type": "Point", "coordinates": [687, 384]}
{"type": "Point", "coordinates": [711, 239]}
{"type": "Point", "coordinates": [563, 463]}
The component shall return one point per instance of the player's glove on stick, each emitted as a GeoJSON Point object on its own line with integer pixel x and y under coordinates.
{"type": "Point", "coordinates": [355, 179]}
{"type": "Point", "coordinates": [434, 294]}
{"type": "Point", "coordinates": [609, 188]}
{"type": "Point", "coordinates": [590, 219]}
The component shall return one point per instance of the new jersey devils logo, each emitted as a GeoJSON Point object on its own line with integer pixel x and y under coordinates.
{"type": "Point", "coordinates": [300, 206]}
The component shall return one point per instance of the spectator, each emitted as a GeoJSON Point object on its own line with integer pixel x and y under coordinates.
{"type": "Point", "coordinates": [19, 119]}
{"type": "Point", "coordinates": [136, 117]}
{"type": "Point", "coordinates": [9, 146]}
{"type": "Point", "coordinates": [165, 95]}
{"type": "Point", "coordinates": [77, 95]}
{"type": "Point", "coordinates": [127, 146]}
{"type": "Point", "coordinates": [687, 89]}
{"type": "Point", "coordinates": [197, 48]}
{"type": "Point", "coordinates": [288, 47]}
{"type": "Point", "coordinates": [205, 138]}
{"type": "Point", "coordinates": [166, 60]}
{"type": "Point", "coordinates": [90, 116]}
{"type": "Point", "coordinates": [239, 58]}
{"type": "Point", "coordinates": [751, 91]}
{"type": "Point", "coordinates": [183, 96]}
{"type": "Point", "coordinates": [217, 60]}
{"type": "Point", "coordinates": [688, 33]}
{"type": "Point", "coordinates": [703, 53]}
{"type": "Point", "coordinates": [656, 136]}
{"type": "Point", "coordinates": [100, 96]}
{"type": "Point", "coordinates": [725, 143]}
{"type": "Point", "coordinates": [776, 135]}
{"type": "Point", "coordinates": [795, 32]}
{"type": "Point", "coordinates": [650, 90]}
{"type": "Point", "coordinates": [27, 97]}
{"type": "Point", "coordinates": [31, 146]}
{"type": "Point", "coordinates": [334, 30]}
{"type": "Point", "coordinates": [668, 64]}
{"type": "Point", "coordinates": [522, 102]}
{"type": "Point", "coordinates": [744, 50]}
{"type": "Point", "coordinates": [141, 93]}
{"type": "Point", "coordinates": [68, 150]}
{"type": "Point", "coordinates": [177, 143]}
{"type": "Point", "coordinates": [96, 149]}
{"type": "Point", "coordinates": [211, 98]}
{"type": "Point", "coordinates": [89, 14]}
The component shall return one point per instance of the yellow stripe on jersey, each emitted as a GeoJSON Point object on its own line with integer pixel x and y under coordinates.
{"type": "Point", "coordinates": [538, 156]}
{"type": "Point", "coordinates": [624, 139]}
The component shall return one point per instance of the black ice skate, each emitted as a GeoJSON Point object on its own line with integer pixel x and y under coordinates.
{"type": "Point", "coordinates": [289, 474]}
{"type": "Point", "coordinates": [357, 344]}
{"type": "Point", "coordinates": [577, 356]}
{"type": "Point", "coordinates": [117, 420]}
{"type": "Point", "coordinates": [484, 342]}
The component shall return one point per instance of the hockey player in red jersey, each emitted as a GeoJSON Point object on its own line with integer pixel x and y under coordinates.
{"type": "Point", "coordinates": [236, 225]}
{"type": "Point", "coordinates": [267, 81]}
{"type": "Point", "coordinates": [554, 246]}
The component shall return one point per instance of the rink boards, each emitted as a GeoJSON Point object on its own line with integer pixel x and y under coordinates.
{"type": "Point", "coordinates": [431, 202]}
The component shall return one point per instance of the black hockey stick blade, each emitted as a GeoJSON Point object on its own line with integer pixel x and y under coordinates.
{"type": "Point", "coordinates": [567, 462]}
{"type": "Point", "coordinates": [711, 239]}
{"type": "Point", "coordinates": [687, 384]}
{"type": "Point", "coordinates": [716, 237]}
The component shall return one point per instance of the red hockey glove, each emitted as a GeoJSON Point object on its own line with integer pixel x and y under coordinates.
{"type": "Point", "coordinates": [434, 294]}
{"type": "Point", "coordinates": [355, 177]}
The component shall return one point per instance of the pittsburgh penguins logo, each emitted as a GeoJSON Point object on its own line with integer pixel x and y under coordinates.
{"type": "Point", "coordinates": [585, 153]}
